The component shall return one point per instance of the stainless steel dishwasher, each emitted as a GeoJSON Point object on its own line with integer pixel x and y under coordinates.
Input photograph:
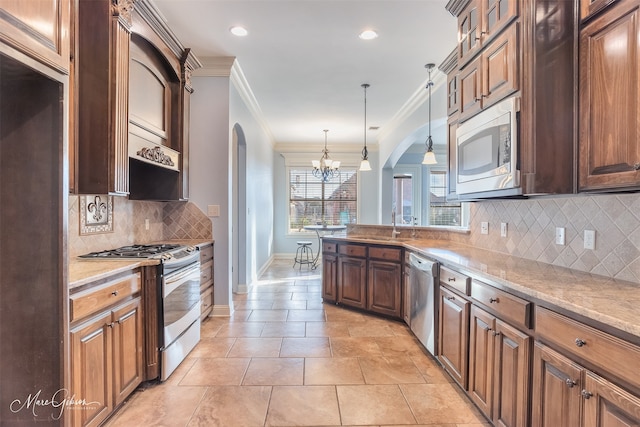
{"type": "Point", "coordinates": [424, 273]}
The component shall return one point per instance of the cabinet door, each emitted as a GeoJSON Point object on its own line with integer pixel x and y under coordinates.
{"type": "Point", "coordinates": [91, 370]}
{"type": "Point", "coordinates": [453, 95]}
{"type": "Point", "coordinates": [127, 349]}
{"type": "Point", "coordinates": [469, 29]}
{"type": "Point", "coordinates": [556, 399]}
{"type": "Point", "coordinates": [352, 281]}
{"type": "Point", "coordinates": [607, 405]}
{"type": "Point", "coordinates": [452, 126]}
{"type": "Point", "coordinates": [500, 67]}
{"type": "Point", "coordinates": [383, 288]}
{"type": "Point", "coordinates": [481, 359]}
{"type": "Point", "coordinates": [511, 379]}
{"type": "Point", "coordinates": [329, 277]}
{"type": "Point", "coordinates": [609, 98]}
{"type": "Point", "coordinates": [470, 89]}
{"type": "Point", "coordinates": [497, 14]}
{"type": "Point", "coordinates": [38, 28]}
{"type": "Point", "coordinates": [454, 335]}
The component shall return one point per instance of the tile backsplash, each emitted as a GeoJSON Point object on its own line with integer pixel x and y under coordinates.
{"type": "Point", "coordinates": [531, 231]}
{"type": "Point", "coordinates": [179, 220]}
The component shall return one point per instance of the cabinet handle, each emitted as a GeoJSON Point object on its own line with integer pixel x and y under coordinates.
{"type": "Point", "coordinates": [586, 394]}
{"type": "Point", "coordinates": [492, 300]}
{"type": "Point", "coordinates": [580, 343]}
{"type": "Point", "coordinates": [451, 298]}
{"type": "Point", "coordinates": [495, 333]}
{"type": "Point", "coordinates": [570, 383]}
{"type": "Point", "coordinates": [110, 325]}
{"type": "Point", "coordinates": [114, 293]}
{"type": "Point", "coordinates": [482, 33]}
{"type": "Point", "coordinates": [636, 166]}
{"type": "Point", "coordinates": [451, 279]}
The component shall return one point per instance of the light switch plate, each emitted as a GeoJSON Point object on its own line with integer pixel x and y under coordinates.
{"type": "Point", "coordinates": [484, 227]}
{"type": "Point", "coordinates": [503, 229]}
{"type": "Point", "coordinates": [213, 210]}
{"type": "Point", "coordinates": [589, 239]}
{"type": "Point", "coordinates": [560, 240]}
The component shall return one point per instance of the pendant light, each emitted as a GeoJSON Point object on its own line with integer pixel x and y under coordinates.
{"type": "Point", "coordinates": [429, 156]}
{"type": "Point", "coordinates": [364, 164]}
{"type": "Point", "coordinates": [325, 168]}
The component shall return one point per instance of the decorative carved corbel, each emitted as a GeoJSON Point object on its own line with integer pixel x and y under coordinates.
{"type": "Point", "coordinates": [123, 9]}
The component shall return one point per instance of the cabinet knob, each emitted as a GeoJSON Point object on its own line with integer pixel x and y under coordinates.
{"type": "Point", "coordinates": [586, 394]}
{"type": "Point", "coordinates": [492, 300]}
{"type": "Point", "coordinates": [495, 333]}
{"type": "Point", "coordinates": [570, 383]}
{"type": "Point", "coordinates": [114, 293]}
{"type": "Point", "coordinates": [451, 279]}
{"type": "Point", "coordinates": [636, 166]}
{"type": "Point", "coordinates": [580, 343]}
{"type": "Point", "coordinates": [451, 298]}
{"type": "Point", "coordinates": [110, 325]}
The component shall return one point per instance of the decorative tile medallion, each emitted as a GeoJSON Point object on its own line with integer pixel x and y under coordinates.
{"type": "Point", "coordinates": [96, 214]}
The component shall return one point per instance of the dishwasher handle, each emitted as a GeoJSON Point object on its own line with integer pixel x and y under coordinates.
{"type": "Point", "coordinates": [423, 264]}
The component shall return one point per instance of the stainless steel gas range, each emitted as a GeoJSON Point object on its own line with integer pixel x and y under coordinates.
{"type": "Point", "coordinates": [174, 309]}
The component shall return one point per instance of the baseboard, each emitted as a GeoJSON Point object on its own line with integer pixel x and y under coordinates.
{"type": "Point", "coordinates": [242, 288]}
{"type": "Point", "coordinates": [220, 311]}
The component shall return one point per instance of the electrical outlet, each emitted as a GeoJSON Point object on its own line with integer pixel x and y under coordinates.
{"type": "Point", "coordinates": [503, 229]}
{"type": "Point", "coordinates": [560, 236]}
{"type": "Point", "coordinates": [589, 239]}
{"type": "Point", "coordinates": [484, 228]}
{"type": "Point", "coordinates": [146, 223]}
{"type": "Point", "coordinates": [213, 210]}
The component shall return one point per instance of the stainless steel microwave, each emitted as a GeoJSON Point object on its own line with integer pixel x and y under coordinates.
{"type": "Point", "coordinates": [487, 152]}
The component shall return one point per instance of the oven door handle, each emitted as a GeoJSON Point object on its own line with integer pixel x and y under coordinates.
{"type": "Point", "coordinates": [172, 282]}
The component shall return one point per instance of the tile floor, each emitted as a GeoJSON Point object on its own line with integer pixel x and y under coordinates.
{"type": "Point", "coordinates": [286, 359]}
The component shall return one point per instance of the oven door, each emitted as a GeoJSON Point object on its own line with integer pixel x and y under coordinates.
{"type": "Point", "coordinates": [486, 150]}
{"type": "Point", "coordinates": [180, 301]}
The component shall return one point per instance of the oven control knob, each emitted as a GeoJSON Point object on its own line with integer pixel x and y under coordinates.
{"type": "Point", "coordinates": [190, 248]}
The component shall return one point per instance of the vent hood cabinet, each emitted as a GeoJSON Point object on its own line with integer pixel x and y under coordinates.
{"type": "Point", "coordinates": [133, 90]}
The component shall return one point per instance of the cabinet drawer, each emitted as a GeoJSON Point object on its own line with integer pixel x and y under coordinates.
{"type": "Point", "coordinates": [206, 271]}
{"type": "Point", "coordinates": [329, 247]}
{"type": "Point", "coordinates": [92, 300]}
{"type": "Point", "coordinates": [455, 280]}
{"type": "Point", "coordinates": [605, 351]}
{"type": "Point", "coordinates": [206, 253]}
{"type": "Point", "coordinates": [388, 254]}
{"type": "Point", "coordinates": [504, 305]}
{"type": "Point", "coordinates": [206, 301]}
{"type": "Point", "coordinates": [353, 250]}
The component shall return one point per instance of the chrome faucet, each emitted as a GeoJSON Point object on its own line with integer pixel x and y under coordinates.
{"type": "Point", "coordinates": [394, 233]}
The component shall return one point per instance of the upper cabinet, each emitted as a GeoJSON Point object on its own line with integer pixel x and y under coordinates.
{"type": "Point", "coordinates": [523, 49]}
{"type": "Point", "coordinates": [609, 99]}
{"type": "Point", "coordinates": [40, 29]}
{"type": "Point", "coordinates": [132, 106]}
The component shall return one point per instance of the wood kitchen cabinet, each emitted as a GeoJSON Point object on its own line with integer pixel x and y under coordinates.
{"type": "Point", "coordinates": [406, 289]}
{"type": "Point", "coordinates": [107, 342]}
{"type": "Point", "coordinates": [206, 279]}
{"type": "Point", "coordinates": [492, 76]}
{"type": "Point", "coordinates": [589, 378]}
{"type": "Point", "coordinates": [40, 29]}
{"type": "Point", "coordinates": [453, 345]}
{"type": "Point", "coordinates": [610, 99]}
{"type": "Point", "coordinates": [329, 271]}
{"type": "Point", "coordinates": [352, 276]}
{"type": "Point", "coordinates": [588, 8]}
{"type": "Point", "coordinates": [367, 277]}
{"type": "Point", "coordinates": [384, 281]}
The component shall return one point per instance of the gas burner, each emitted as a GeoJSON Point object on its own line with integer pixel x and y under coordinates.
{"type": "Point", "coordinates": [135, 251]}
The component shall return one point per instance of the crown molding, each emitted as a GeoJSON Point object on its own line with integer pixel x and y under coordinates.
{"type": "Point", "coordinates": [215, 66]}
{"type": "Point", "coordinates": [454, 7]}
{"type": "Point", "coordinates": [449, 62]}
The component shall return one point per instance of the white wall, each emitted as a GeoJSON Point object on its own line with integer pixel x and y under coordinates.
{"type": "Point", "coordinates": [209, 172]}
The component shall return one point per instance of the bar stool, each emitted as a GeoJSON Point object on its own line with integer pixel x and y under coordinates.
{"type": "Point", "coordinates": [304, 254]}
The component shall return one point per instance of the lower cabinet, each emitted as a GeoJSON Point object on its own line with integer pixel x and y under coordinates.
{"type": "Point", "coordinates": [206, 280]}
{"type": "Point", "coordinates": [453, 345]}
{"type": "Point", "coordinates": [367, 277]}
{"type": "Point", "coordinates": [607, 405]}
{"type": "Point", "coordinates": [106, 348]}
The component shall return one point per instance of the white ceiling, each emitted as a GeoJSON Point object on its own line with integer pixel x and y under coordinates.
{"type": "Point", "coordinates": [304, 62]}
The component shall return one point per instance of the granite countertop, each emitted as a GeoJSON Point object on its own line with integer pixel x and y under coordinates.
{"type": "Point", "coordinates": [83, 271]}
{"type": "Point", "coordinates": [609, 301]}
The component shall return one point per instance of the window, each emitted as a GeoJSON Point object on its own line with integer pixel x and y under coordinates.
{"type": "Point", "coordinates": [312, 201]}
{"type": "Point", "coordinates": [442, 212]}
{"type": "Point", "coordinates": [403, 199]}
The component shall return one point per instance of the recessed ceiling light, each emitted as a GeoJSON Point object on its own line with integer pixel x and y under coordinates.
{"type": "Point", "coordinates": [368, 35]}
{"type": "Point", "coordinates": [238, 31]}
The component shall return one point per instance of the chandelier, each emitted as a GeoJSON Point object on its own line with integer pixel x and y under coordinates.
{"type": "Point", "coordinates": [429, 155]}
{"type": "Point", "coordinates": [325, 168]}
